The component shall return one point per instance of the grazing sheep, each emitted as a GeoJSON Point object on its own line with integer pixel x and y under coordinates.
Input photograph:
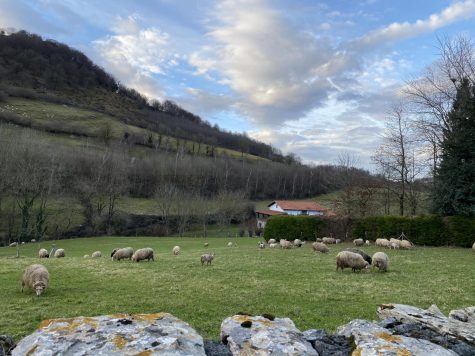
{"type": "Point", "coordinates": [286, 244]}
{"type": "Point", "coordinates": [394, 243]}
{"type": "Point", "coordinates": [261, 245]}
{"type": "Point", "coordinates": [176, 250]}
{"type": "Point", "coordinates": [380, 261]}
{"type": "Point", "coordinates": [473, 247]}
{"type": "Point", "coordinates": [358, 242]}
{"type": "Point", "coordinates": [35, 277]}
{"type": "Point", "coordinates": [338, 241]}
{"type": "Point", "coordinates": [320, 247]}
{"type": "Point", "coordinates": [123, 254]}
{"type": "Point", "coordinates": [33, 240]}
{"type": "Point", "coordinates": [363, 254]}
{"type": "Point", "coordinates": [382, 242]}
{"type": "Point", "coordinates": [143, 254]}
{"type": "Point", "coordinates": [274, 245]}
{"type": "Point", "coordinates": [230, 244]}
{"type": "Point", "coordinates": [96, 254]}
{"type": "Point", "coordinates": [114, 251]}
{"type": "Point", "coordinates": [328, 240]}
{"type": "Point", "coordinates": [367, 243]}
{"type": "Point", "coordinates": [85, 256]}
{"type": "Point", "coordinates": [206, 244]}
{"type": "Point", "coordinates": [271, 241]}
{"type": "Point", "coordinates": [351, 260]}
{"type": "Point", "coordinates": [298, 243]}
{"type": "Point", "coordinates": [318, 239]}
{"type": "Point", "coordinates": [42, 253]}
{"type": "Point", "coordinates": [405, 244]}
{"type": "Point", "coordinates": [59, 253]}
{"type": "Point", "coordinates": [207, 258]}
{"type": "Point", "coordinates": [13, 244]}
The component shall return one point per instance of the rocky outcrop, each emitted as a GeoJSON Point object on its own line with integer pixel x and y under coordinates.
{"type": "Point", "coordinates": [328, 344]}
{"type": "Point", "coordinates": [118, 334]}
{"type": "Point", "coordinates": [259, 335]}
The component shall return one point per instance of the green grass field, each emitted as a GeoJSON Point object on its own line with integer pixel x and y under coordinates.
{"type": "Point", "coordinates": [293, 283]}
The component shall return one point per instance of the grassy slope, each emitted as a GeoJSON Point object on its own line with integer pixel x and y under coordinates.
{"type": "Point", "coordinates": [46, 115]}
{"type": "Point", "coordinates": [288, 283]}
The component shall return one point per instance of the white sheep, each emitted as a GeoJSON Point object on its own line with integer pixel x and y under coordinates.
{"type": "Point", "coordinates": [380, 261]}
{"type": "Point", "coordinates": [86, 256]}
{"type": "Point", "coordinates": [35, 277]}
{"type": "Point", "coordinates": [13, 244]}
{"type": "Point", "coordinates": [207, 258]}
{"type": "Point", "coordinates": [285, 244]}
{"type": "Point", "coordinates": [143, 254]}
{"type": "Point", "coordinates": [261, 245]}
{"type": "Point", "coordinates": [59, 253]}
{"type": "Point", "coordinates": [328, 240]}
{"type": "Point", "coordinates": [473, 247]}
{"type": "Point", "coordinates": [123, 253]}
{"type": "Point", "coordinates": [230, 244]}
{"type": "Point", "coordinates": [273, 245]}
{"type": "Point", "coordinates": [320, 247]}
{"type": "Point", "coordinates": [176, 250]}
{"type": "Point", "coordinates": [405, 244]}
{"type": "Point", "coordinates": [43, 253]}
{"type": "Point", "coordinates": [271, 241]}
{"type": "Point", "coordinates": [338, 241]}
{"type": "Point", "coordinates": [358, 242]}
{"type": "Point", "coordinates": [351, 260]}
{"type": "Point", "coordinates": [96, 254]}
{"type": "Point", "coordinates": [382, 242]}
{"type": "Point", "coordinates": [367, 243]}
{"type": "Point", "coordinates": [298, 242]}
{"type": "Point", "coordinates": [206, 244]}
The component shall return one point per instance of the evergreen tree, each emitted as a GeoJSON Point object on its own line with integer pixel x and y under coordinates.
{"type": "Point", "coordinates": [454, 192]}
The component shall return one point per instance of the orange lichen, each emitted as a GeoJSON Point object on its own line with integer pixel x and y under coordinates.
{"type": "Point", "coordinates": [149, 317]}
{"type": "Point", "coordinates": [144, 353]}
{"type": "Point", "coordinates": [356, 352]}
{"type": "Point", "coordinates": [119, 341]}
{"type": "Point", "coordinates": [32, 350]}
{"type": "Point", "coordinates": [398, 350]}
{"type": "Point", "coordinates": [120, 315]}
{"type": "Point", "coordinates": [72, 323]}
{"type": "Point", "coordinates": [246, 318]}
{"type": "Point", "coordinates": [388, 337]}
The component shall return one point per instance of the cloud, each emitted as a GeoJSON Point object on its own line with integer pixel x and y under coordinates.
{"type": "Point", "coordinates": [204, 103]}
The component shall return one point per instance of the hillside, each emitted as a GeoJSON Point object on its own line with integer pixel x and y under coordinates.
{"type": "Point", "coordinates": [36, 72]}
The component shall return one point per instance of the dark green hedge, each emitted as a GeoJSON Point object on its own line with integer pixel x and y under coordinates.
{"type": "Point", "coordinates": [292, 227]}
{"type": "Point", "coordinates": [421, 230]}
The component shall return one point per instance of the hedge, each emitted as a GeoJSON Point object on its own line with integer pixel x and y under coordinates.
{"type": "Point", "coordinates": [421, 230]}
{"type": "Point", "coordinates": [292, 227]}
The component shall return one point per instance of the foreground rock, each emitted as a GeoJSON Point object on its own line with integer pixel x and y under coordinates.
{"type": "Point", "coordinates": [258, 335]}
{"type": "Point", "coordinates": [118, 334]}
{"type": "Point", "coordinates": [371, 339]}
{"type": "Point", "coordinates": [6, 344]}
{"type": "Point", "coordinates": [459, 325]}
{"type": "Point", "coordinates": [328, 344]}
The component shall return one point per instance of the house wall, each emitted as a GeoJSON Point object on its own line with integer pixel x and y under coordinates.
{"type": "Point", "coordinates": [299, 212]}
{"type": "Point", "coordinates": [275, 207]}
{"type": "Point", "coordinates": [261, 223]}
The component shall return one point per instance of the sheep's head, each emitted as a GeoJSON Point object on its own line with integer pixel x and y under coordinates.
{"type": "Point", "coordinates": [366, 264]}
{"type": "Point", "coordinates": [39, 288]}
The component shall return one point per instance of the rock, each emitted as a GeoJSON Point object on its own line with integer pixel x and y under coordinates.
{"type": "Point", "coordinates": [117, 334]}
{"type": "Point", "coordinates": [214, 348]}
{"type": "Point", "coordinates": [328, 344]}
{"type": "Point", "coordinates": [371, 339]}
{"type": "Point", "coordinates": [257, 335]}
{"type": "Point", "coordinates": [6, 345]}
{"type": "Point", "coordinates": [434, 319]}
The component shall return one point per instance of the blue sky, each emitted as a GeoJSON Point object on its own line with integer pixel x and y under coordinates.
{"type": "Point", "coordinates": [311, 77]}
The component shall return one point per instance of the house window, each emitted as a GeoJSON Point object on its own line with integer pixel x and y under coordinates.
{"type": "Point", "coordinates": [304, 212]}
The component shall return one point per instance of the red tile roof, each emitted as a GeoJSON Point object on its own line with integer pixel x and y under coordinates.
{"type": "Point", "coordinates": [269, 212]}
{"type": "Point", "coordinates": [298, 205]}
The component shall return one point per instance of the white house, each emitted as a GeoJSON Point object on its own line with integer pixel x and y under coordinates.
{"type": "Point", "coordinates": [290, 207]}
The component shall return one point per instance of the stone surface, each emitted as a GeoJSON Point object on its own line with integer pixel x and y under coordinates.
{"type": "Point", "coordinates": [6, 344]}
{"type": "Point", "coordinates": [214, 348]}
{"type": "Point", "coordinates": [257, 335]}
{"type": "Point", "coordinates": [117, 334]}
{"type": "Point", "coordinates": [434, 319]}
{"type": "Point", "coordinates": [371, 339]}
{"type": "Point", "coordinates": [328, 344]}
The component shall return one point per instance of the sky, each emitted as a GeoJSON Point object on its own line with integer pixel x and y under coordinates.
{"type": "Point", "coordinates": [315, 78]}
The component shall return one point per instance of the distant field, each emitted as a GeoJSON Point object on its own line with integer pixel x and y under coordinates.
{"type": "Point", "coordinates": [287, 283]}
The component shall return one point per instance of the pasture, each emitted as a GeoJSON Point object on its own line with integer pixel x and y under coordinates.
{"type": "Point", "coordinates": [296, 283]}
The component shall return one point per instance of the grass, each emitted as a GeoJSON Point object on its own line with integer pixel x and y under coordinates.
{"type": "Point", "coordinates": [287, 283]}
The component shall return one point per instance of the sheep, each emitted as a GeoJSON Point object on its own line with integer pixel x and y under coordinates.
{"type": "Point", "coordinates": [363, 254]}
{"type": "Point", "coordinates": [123, 253]}
{"type": "Point", "coordinates": [367, 243]}
{"type": "Point", "coordinates": [405, 244]}
{"type": "Point", "coordinates": [298, 243]}
{"type": "Point", "coordinates": [271, 241]}
{"type": "Point", "coordinates": [318, 239]}
{"type": "Point", "coordinates": [143, 254]}
{"type": "Point", "coordinates": [380, 261]}
{"type": "Point", "coordinates": [286, 244]}
{"type": "Point", "coordinates": [86, 256]}
{"type": "Point", "coordinates": [358, 242]}
{"type": "Point", "coordinates": [230, 244]}
{"type": "Point", "coordinates": [96, 254]}
{"type": "Point", "coordinates": [352, 260]}
{"type": "Point", "coordinates": [43, 253]}
{"type": "Point", "coordinates": [114, 251]}
{"type": "Point", "coordinates": [473, 247]}
{"type": "Point", "coordinates": [206, 244]}
{"type": "Point", "coordinates": [320, 247]}
{"type": "Point", "coordinates": [274, 245]}
{"type": "Point", "coordinates": [59, 253]}
{"type": "Point", "coordinates": [382, 242]}
{"type": "Point", "coordinates": [261, 245]}
{"type": "Point", "coordinates": [207, 258]}
{"type": "Point", "coordinates": [35, 277]}
{"type": "Point", "coordinates": [32, 240]}
{"type": "Point", "coordinates": [338, 241]}
{"type": "Point", "coordinates": [13, 244]}
{"type": "Point", "coordinates": [328, 240]}
{"type": "Point", "coordinates": [394, 243]}
{"type": "Point", "coordinates": [176, 250]}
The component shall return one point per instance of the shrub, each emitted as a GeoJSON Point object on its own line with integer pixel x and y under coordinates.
{"type": "Point", "coordinates": [461, 230]}
{"type": "Point", "coordinates": [292, 227]}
